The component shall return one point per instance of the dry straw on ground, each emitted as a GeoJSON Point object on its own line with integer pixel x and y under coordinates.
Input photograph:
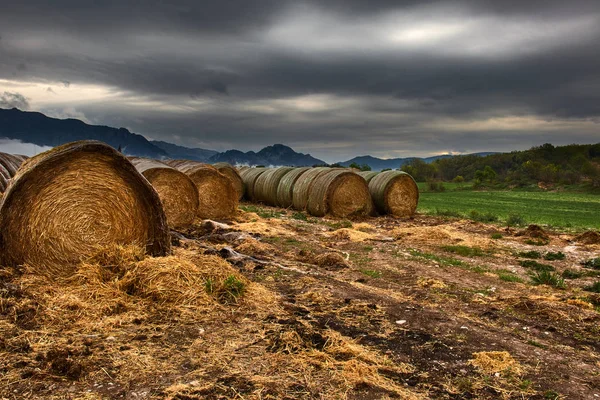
{"type": "Point", "coordinates": [216, 193]}
{"type": "Point", "coordinates": [65, 203]}
{"type": "Point", "coordinates": [340, 193]}
{"type": "Point", "coordinates": [177, 192]}
{"type": "Point", "coordinates": [230, 172]}
{"type": "Point", "coordinates": [9, 164]}
{"type": "Point", "coordinates": [285, 189]}
{"type": "Point", "coordinates": [395, 193]}
{"type": "Point", "coordinates": [496, 362]}
{"type": "Point", "coordinates": [265, 187]}
{"type": "Point", "coordinates": [249, 176]}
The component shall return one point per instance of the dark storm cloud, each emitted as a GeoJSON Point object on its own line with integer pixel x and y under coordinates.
{"type": "Point", "coordinates": [10, 100]}
{"type": "Point", "coordinates": [400, 65]}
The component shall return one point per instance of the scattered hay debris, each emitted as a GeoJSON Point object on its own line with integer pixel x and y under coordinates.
{"type": "Point", "coordinates": [534, 232]}
{"type": "Point", "coordinates": [331, 260]}
{"type": "Point", "coordinates": [496, 362]}
{"type": "Point", "coordinates": [431, 283]}
{"type": "Point", "coordinates": [589, 237]}
{"type": "Point", "coordinates": [254, 248]}
{"type": "Point", "coordinates": [352, 235]}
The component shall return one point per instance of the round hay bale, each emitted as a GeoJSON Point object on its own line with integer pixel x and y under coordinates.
{"type": "Point", "coordinates": [265, 187]}
{"type": "Point", "coordinates": [65, 204]}
{"type": "Point", "coordinates": [177, 192]}
{"type": "Point", "coordinates": [303, 184]}
{"type": "Point", "coordinates": [285, 189]}
{"type": "Point", "coordinates": [9, 164]}
{"type": "Point", "coordinates": [341, 193]}
{"type": "Point", "coordinates": [249, 177]}
{"type": "Point", "coordinates": [395, 193]}
{"type": "Point", "coordinates": [4, 178]}
{"type": "Point", "coordinates": [368, 175]}
{"type": "Point", "coordinates": [230, 172]}
{"type": "Point", "coordinates": [242, 168]}
{"type": "Point", "coordinates": [216, 195]}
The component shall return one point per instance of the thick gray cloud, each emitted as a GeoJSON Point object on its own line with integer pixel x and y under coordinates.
{"type": "Point", "coordinates": [411, 77]}
{"type": "Point", "coordinates": [11, 100]}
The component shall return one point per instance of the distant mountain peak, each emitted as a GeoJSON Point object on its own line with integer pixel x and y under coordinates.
{"type": "Point", "coordinates": [277, 154]}
{"type": "Point", "coordinates": [39, 129]}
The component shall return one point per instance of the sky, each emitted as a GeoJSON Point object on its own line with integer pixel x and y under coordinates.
{"type": "Point", "coordinates": [332, 78]}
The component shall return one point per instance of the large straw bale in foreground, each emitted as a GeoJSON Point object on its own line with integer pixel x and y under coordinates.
{"type": "Point", "coordinates": [285, 189]}
{"type": "Point", "coordinates": [9, 164]}
{"type": "Point", "coordinates": [303, 185]}
{"type": "Point", "coordinates": [177, 192]}
{"type": "Point", "coordinates": [249, 176]}
{"type": "Point", "coordinates": [229, 171]}
{"type": "Point", "coordinates": [341, 193]}
{"type": "Point", "coordinates": [62, 205]}
{"type": "Point", "coordinates": [395, 193]}
{"type": "Point", "coordinates": [216, 194]}
{"type": "Point", "coordinates": [265, 187]}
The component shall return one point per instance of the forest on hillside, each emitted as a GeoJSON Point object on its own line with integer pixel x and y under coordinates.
{"type": "Point", "coordinates": [548, 164]}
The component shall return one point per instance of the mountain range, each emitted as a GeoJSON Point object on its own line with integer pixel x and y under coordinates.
{"type": "Point", "coordinates": [377, 164]}
{"type": "Point", "coordinates": [37, 128]}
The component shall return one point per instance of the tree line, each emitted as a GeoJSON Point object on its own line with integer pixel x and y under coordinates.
{"type": "Point", "coordinates": [548, 164]}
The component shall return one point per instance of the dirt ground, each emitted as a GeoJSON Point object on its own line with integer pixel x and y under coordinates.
{"type": "Point", "coordinates": [281, 306]}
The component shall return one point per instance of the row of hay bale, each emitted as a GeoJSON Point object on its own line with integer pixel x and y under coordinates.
{"type": "Point", "coordinates": [63, 205]}
{"type": "Point", "coordinates": [217, 193]}
{"type": "Point", "coordinates": [336, 191]}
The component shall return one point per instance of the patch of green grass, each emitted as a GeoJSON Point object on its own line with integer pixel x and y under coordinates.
{"type": "Point", "coordinates": [552, 256]}
{"type": "Point", "coordinates": [536, 266]}
{"type": "Point", "coordinates": [571, 274]}
{"type": "Point", "coordinates": [514, 219]}
{"type": "Point", "coordinates": [261, 212]}
{"type": "Point", "coordinates": [551, 395]}
{"type": "Point", "coordinates": [439, 259]}
{"type": "Point", "coordinates": [548, 278]}
{"type": "Point", "coordinates": [339, 224]}
{"type": "Point", "coordinates": [593, 263]}
{"type": "Point", "coordinates": [540, 207]}
{"type": "Point", "coordinates": [537, 344]}
{"type": "Point", "coordinates": [281, 240]}
{"type": "Point", "coordinates": [465, 251]}
{"type": "Point", "coordinates": [496, 236]}
{"type": "Point", "coordinates": [368, 248]}
{"type": "Point", "coordinates": [484, 216]}
{"type": "Point", "coordinates": [448, 213]}
{"type": "Point", "coordinates": [594, 287]}
{"type": "Point", "coordinates": [530, 254]}
{"type": "Point", "coordinates": [299, 215]}
{"type": "Point", "coordinates": [228, 292]}
{"type": "Point", "coordinates": [360, 259]}
{"type": "Point", "coordinates": [537, 242]}
{"type": "Point", "coordinates": [209, 286]}
{"type": "Point", "coordinates": [509, 276]}
{"type": "Point", "coordinates": [371, 272]}
{"type": "Point", "coordinates": [478, 269]}
{"type": "Point", "coordinates": [525, 384]}
{"type": "Point", "coordinates": [232, 290]}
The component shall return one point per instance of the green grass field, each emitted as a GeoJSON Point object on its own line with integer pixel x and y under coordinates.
{"type": "Point", "coordinates": [560, 209]}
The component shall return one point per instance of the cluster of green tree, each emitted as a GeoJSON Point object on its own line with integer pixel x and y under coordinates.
{"type": "Point", "coordinates": [363, 167]}
{"type": "Point", "coordinates": [569, 165]}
